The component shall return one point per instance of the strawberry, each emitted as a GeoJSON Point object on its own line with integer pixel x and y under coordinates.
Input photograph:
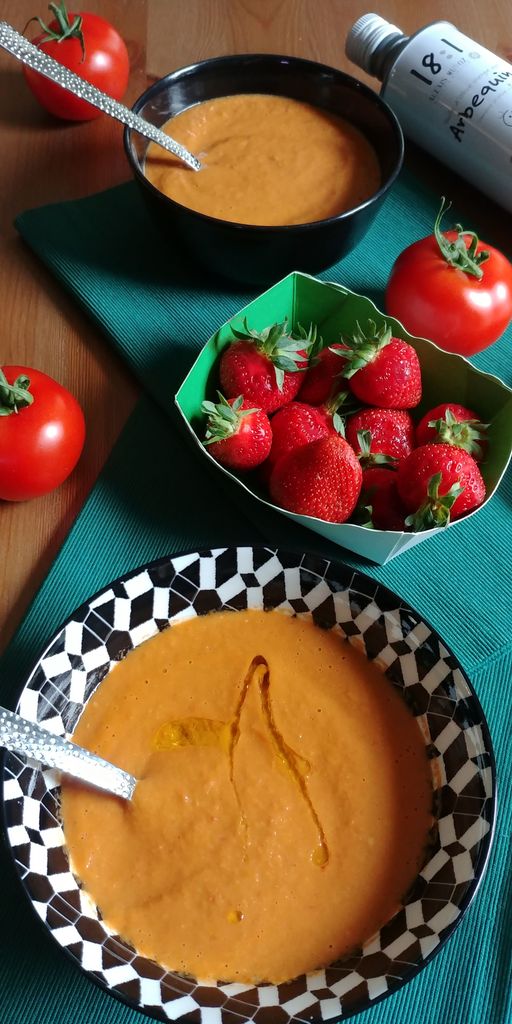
{"type": "Point", "coordinates": [450, 423]}
{"type": "Point", "coordinates": [299, 423]}
{"type": "Point", "coordinates": [438, 483]}
{"type": "Point", "coordinates": [388, 434]}
{"type": "Point", "coordinates": [321, 379]}
{"type": "Point", "coordinates": [237, 436]}
{"type": "Point", "coordinates": [380, 495]}
{"type": "Point", "coordinates": [294, 425]}
{"type": "Point", "coordinates": [265, 366]}
{"type": "Point", "coordinates": [383, 371]}
{"type": "Point", "coordinates": [321, 479]}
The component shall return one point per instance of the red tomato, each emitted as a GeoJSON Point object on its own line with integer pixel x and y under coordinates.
{"type": "Point", "coordinates": [40, 443]}
{"type": "Point", "coordinates": [94, 50]}
{"type": "Point", "coordinates": [443, 289]}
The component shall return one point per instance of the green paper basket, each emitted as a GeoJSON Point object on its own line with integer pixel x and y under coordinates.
{"type": "Point", "coordinates": [302, 299]}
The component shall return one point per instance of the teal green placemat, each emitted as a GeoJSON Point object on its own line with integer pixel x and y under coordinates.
{"type": "Point", "coordinates": [158, 311]}
{"type": "Point", "coordinates": [137, 514]}
{"type": "Point", "coordinates": [154, 498]}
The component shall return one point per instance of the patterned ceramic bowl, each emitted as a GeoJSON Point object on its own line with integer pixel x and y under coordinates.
{"type": "Point", "coordinates": [416, 661]}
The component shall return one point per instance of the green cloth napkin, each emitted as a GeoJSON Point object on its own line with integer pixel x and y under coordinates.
{"type": "Point", "coordinates": [155, 497]}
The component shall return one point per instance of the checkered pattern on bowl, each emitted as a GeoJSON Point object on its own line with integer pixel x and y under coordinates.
{"type": "Point", "coordinates": [414, 658]}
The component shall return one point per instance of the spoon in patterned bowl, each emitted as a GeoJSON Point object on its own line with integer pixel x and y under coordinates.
{"type": "Point", "coordinates": [23, 737]}
{"type": "Point", "coordinates": [19, 47]}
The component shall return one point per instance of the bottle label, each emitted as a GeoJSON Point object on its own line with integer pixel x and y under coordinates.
{"type": "Point", "coordinates": [454, 98]}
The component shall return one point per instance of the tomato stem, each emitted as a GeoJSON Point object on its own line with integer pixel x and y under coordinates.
{"type": "Point", "coordinates": [66, 29]}
{"type": "Point", "coordinates": [14, 397]}
{"type": "Point", "coordinates": [457, 253]}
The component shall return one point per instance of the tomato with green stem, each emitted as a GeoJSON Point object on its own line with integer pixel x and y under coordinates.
{"type": "Point", "coordinates": [453, 289]}
{"type": "Point", "coordinates": [42, 433]}
{"type": "Point", "coordinates": [90, 47]}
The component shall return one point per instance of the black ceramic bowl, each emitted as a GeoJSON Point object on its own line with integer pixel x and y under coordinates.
{"type": "Point", "coordinates": [253, 254]}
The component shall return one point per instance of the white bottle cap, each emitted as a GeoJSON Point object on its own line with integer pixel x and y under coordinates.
{"type": "Point", "coordinates": [365, 36]}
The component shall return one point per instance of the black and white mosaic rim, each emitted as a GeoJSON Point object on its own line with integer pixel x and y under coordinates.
{"type": "Point", "coordinates": [413, 656]}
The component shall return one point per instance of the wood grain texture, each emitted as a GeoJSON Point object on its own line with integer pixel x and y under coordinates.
{"type": "Point", "coordinates": [46, 161]}
{"type": "Point", "coordinates": [181, 33]}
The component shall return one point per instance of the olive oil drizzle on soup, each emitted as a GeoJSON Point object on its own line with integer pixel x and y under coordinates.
{"type": "Point", "coordinates": [267, 160]}
{"type": "Point", "coordinates": [284, 805]}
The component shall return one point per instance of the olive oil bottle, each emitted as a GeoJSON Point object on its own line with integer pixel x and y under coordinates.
{"type": "Point", "coordinates": [451, 95]}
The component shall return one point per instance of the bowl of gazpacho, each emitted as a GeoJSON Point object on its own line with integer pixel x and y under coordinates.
{"type": "Point", "coordinates": [315, 801]}
{"type": "Point", "coordinates": [297, 158]}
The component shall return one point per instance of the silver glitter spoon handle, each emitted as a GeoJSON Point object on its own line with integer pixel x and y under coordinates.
{"type": "Point", "coordinates": [28, 738]}
{"type": "Point", "coordinates": [19, 47]}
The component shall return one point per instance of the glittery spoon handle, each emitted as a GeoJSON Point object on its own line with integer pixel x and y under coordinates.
{"type": "Point", "coordinates": [19, 47]}
{"type": "Point", "coordinates": [28, 738]}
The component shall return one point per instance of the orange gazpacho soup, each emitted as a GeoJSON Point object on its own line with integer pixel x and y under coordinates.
{"type": "Point", "coordinates": [284, 805]}
{"type": "Point", "coordinates": [267, 160]}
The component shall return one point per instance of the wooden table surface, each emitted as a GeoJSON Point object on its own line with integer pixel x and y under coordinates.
{"type": "Point", "coordinates": [45, 161]}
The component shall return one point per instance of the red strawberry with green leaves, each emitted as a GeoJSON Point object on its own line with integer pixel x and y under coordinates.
{"type": "Point", "coordinates": [380, 435]}
{"type": "Point", "coordinates": [265, 366]}
{"type": "Point", "coordinates": [382, 370]}
{"type": "Point", "coordinates": [322, 378]}
{"type": "Point", "coordinates": [321, 479]}
{"type": "Point", "coordinates": [450, 423]}
{"type": "Point", "coordinates": [237, 435]}
{"type": "Point", "coordinates": [381, 500]}
{"type": "Point", "coordinates": [438, 483]}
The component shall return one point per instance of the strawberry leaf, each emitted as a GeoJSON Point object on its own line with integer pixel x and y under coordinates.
{"type": "Point", "coordinates": [465, 434]}
{"type": "Point", "coordinates": [223, 418]}
{"type": "Point", "coordinates": [279, 376]}
{"type": "Point", "coordinates": [363, 346]}
{"type": "Point", "coordinates": [435, 510]}
{"type": "Point", "coordinates": [363, 516]}
{"type": "Point", "coordinates": [338, 423]}
{"type": "Point", "coordinates": [286, 351]}
{"type": "Point", "coordinates": [283, 362]}
{"type": "Point", "coordinates": [368, 458]}
{"type": "Point", "coordinates": [344, 403]}
{"type": "Point", "coordinates": [314, 340]}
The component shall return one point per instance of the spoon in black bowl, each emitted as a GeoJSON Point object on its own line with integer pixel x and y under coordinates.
{"type": "Point", "coordinates": [19, 47]}
{"type": "Point", "coordinates": [24, 737]}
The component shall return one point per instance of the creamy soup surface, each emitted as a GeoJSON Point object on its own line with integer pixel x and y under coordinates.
{"type": "Point", "coordinates": [284, 803]}
{"type": "Point", "coordinates": [267, 160]}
